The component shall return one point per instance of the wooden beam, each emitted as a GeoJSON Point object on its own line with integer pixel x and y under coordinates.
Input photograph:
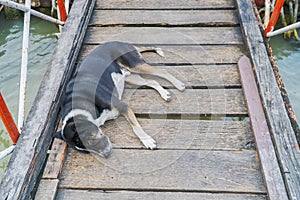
{"type": "Point", "coordinates": [167, 4]}
{"type": "Point", "coordinates": [117, 195]}
{"type": "Point", "coordinates": [30, 153]}
{"type": "Point", "coordinates": [286, 145]}
{"type": "Point", "coordinates": [183, 134]}
{"type": "Point", "coordinates": [268, 160]}
{"type": "Point", "coordinates": [179, 55]}
{"type": "Point", "coordinates": [165, 170]}
{"type": "Point", "coordinates": [55, 160]}
{"type": "Point", "coordinates": [202, 102]}
{"type": "Point", "coordinates": [165, 17]}
{"type": "Point", "coordinates": [47, 189]}
{"type": "Point", "coordinates": [48, 185]}
{"type": "Point", "coordinates": [166, 35]}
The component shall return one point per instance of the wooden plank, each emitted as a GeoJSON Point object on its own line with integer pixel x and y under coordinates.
{"type": "Point", "coordinates": [180, 55]}
{"type": "Point", "coordinates": [55, 160]}
{"type": "Point", "coordinates": [201, 76]}
{"type": "Point", "coordinates": [183, 134]}
{"type": "Point", "coordinates": [268, 160]}
{"type": "Point", "coordinates": [286, 145]}
{"type": "Point", "coordinates": [165, 17]}
{"type": "Point", "coordinates": [116, 195]}
{"type": "Point", "coordinates": [204, 102]}
{"type": "Point", "coordinates": [165, 36]}
{"type": "Point", "coordinates": [47, 189]}
{"type": "Point", "coordinates": [167, 4]}
{"type": "Point", "coordinates": [28, 158]}
{"type": "Point", "coordinates": [167, 170]}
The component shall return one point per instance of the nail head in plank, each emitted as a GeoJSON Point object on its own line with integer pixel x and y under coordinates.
{"type": "Point", "coordinates": [268, 160]}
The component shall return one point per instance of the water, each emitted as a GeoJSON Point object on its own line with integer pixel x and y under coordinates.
{"type": "Point", "coordinates": [287, 54]}
{"type": "Point", "coordinates": [42, 43]}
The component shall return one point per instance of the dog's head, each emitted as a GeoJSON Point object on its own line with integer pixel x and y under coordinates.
{"type": "Point", "coordinates": [84, 135]}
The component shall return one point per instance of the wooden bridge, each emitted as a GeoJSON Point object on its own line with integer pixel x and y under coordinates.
{"type": "Point", "coordinates": [228, 136]}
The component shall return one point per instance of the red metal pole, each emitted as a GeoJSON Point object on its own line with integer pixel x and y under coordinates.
{"type": "Point", "coordinates": [8, 121]}
{"type": "Point", "coordinates": [274, 16]}
{"type": "Point", "coordinates": [62, 10]}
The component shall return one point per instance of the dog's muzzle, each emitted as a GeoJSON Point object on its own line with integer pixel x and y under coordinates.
{"type": "Point", "coordinates": [99, 144]}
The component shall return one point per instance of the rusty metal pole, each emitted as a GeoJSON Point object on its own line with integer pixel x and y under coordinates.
{"type": "Point", "coordinates": [8, 121]}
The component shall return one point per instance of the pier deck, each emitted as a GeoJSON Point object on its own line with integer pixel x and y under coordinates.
{"type": "Point", "coordinates": [214, 139]}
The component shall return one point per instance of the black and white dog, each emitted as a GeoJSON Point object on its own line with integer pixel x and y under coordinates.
{"type": "Point", "coordinates": [94, 93]}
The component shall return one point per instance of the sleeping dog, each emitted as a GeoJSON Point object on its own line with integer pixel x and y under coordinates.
{"type": "Point", "coordinates": [94, 93]}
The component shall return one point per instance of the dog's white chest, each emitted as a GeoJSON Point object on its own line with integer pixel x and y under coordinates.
{"type": "Point", "coordinates": [119, 81]}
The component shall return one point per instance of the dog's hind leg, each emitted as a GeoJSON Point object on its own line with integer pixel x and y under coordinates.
{"type": "Point", "coordinates": [148, 69]}
{"type": "Point", "coordinates": [147, 140]}
{"type": "Point", "coordinates": [136, 79]}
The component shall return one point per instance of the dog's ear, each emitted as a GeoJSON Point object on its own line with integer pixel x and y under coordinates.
{"type": "Point", "coordinates": [58, 135]}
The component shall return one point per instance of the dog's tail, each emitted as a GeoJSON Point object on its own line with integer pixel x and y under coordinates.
{"type": "Point", "coordinates": [159, 51]}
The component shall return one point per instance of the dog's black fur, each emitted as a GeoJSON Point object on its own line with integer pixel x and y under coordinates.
{"type": "Point", "coordinates": [92, 96]}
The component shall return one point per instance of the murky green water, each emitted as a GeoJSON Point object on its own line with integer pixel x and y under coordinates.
{"type": "Point", "coordinates": [287, 54]}
{"type": "Point", "coordinates": [42, 43]}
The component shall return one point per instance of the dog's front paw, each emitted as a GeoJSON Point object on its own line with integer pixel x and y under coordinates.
{"type": "Point", "coordinates": [149, 142]}
{"type": "Point", "coordinates": [165, 95]}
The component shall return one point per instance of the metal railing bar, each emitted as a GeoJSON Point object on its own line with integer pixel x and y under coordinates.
{"type": "Point", "coordinates": [33, 12]}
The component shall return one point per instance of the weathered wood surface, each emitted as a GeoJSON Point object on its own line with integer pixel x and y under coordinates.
{"type": "Point", "coordinates": [163, 36]}
{"type": "Point", "coordinates": [180, 55]}
{"type": "Point", "coordinates": [48, 185]}
{"type": "Point", "coordinates": [201, 76]}
{"type": "Point", "coordinates": [117, 195]}
{"type": "Point", "coordinates": [164, 18]}
{"type": "Point", "coordinates": [177, 170]}
{"type": "Point", "coordinates": [47, 189]}
{"type": "Point", "coordinates": [283, 135]}
{"type": "Point", "coordinates": [267, 156]}
{"type": "Point", "coordinates": [55, 160]}
{"type": "Point", "coordinates": [30, 153]}
{"type": "Point", "coordinates": [184, 134]}
{"type": "Point", "coordinates": [167, 4]}
{"type": "Point", "coordinates": [200, 102]}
